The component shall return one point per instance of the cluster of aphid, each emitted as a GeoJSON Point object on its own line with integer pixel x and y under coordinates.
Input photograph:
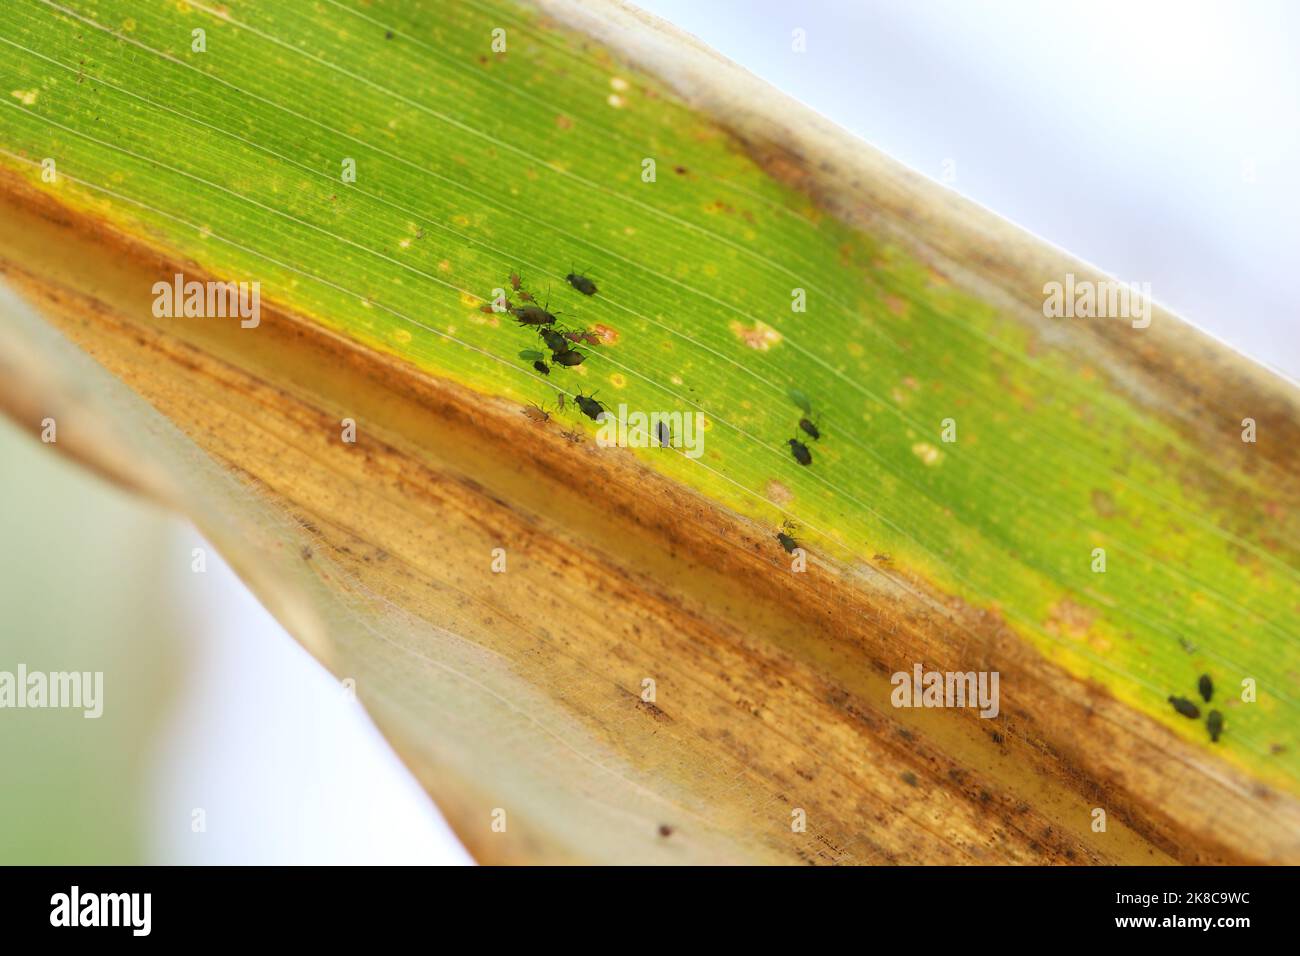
{"type": "Point", "coordinates": [559, 342]}
{"type": "Point", "coordinates": [1213, 720]}
{"type": "Point", "coordinates": [802, 454]}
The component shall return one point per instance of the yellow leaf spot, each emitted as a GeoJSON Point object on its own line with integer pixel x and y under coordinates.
{"type": "Point", "coordinates": [760, 336]}
{"type": "Point", "coordinates": [26, 97]}
{"type": "Point", "coordinates": [927, 453]}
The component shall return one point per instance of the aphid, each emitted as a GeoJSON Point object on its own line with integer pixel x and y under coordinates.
{"type": "Point", "coordinates": [800, 451]}
{"type": "Point", "coordinates": [568, 358]}
{"type": "Point", "coordinates": [785, 536]}
{"type": "Point", "coordinates": [542, 367]}
{"type": "Point", "coordinates": [515, 281]}
{"type": "Point", "coordinates": [1185, 707]}
{"type": "Point", "coordinates": [665, 830]}
{"type": "Point", "coordinates": [589, 406]}
{"type": "Point", "coordinates": [801, 401]}
{"type": "Point", "coordinates": [1214, 724]}
{"type": "Point", "coordinates": [810, 429]}
{"type": "Point", "coordinates": [559, 400]}
{"type": "Point", "coordinates": [556, 342]}
{"type": "Point", "coordinates": [537, 413]}
{"type": "Point", "coordinates": [574, 437]}
{"type": "Point", "coordinates": [581, 283]}
{"type": "Point", "coordinates": [663, 434]}
{"type": "Point", "coordinates": [532, 315]}
{"type": "Point", "coordinates": [526, 295]}
{"type": "Point", "coordinates": [538, 360]}
{"type": "Point", "coordinates": [1206, 687]}
{"type": "Point", "coordinates": [587, 338]}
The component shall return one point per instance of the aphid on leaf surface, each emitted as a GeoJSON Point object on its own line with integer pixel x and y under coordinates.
{"type": "Point", "coordinates": [568, 358]}
{"type": "Point", "coordinates": [537, 413]}
{"type": "Point", "coordinates": [1185, 707]}
{"type": "Point", "coordinates": [1206, 687]}
{"type": "Point", "coordinates": [589, 406]}
{"type": "Point", "coordinates": [1214, 724]}
{"type": "Point", "coordinates": [538, 360]}
{"type": "Point", "coordinates": [587, 338]}
{"type": "Point", "coordinates": [559, 400]}
{"type": "Point", "coordinates": [785, 536]}
{"type": "Point", "coordinates": [574, 437]}
{"type": "Point", "coordinates": [810, 429]}
{"type": "Point", "coordinates": [515, 281]}
{"type": "Point", "coordinates": [801, 401]}
{"type": "Point", "coordinates": [556, 342]}
{"type": "Point", "coordinates": [800, 451]}
{"type": "Point", "coordinates": [532, 315]}
{"type": "Point", "coordinates": [581, 283]}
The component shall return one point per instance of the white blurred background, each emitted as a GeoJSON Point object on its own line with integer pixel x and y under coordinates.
{"type": "Point", "coordinates": [1159, 140]}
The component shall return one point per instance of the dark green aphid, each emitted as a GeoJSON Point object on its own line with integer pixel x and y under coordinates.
{"type": "Point", "coordinates": [1206, 687]}
{"type": "Point", "coordinates": [801, 401]}
{"type": "Point", "coordinates": [1185, 707]}
{"type": "Point", "coordinates": [531, 355]}
{"type": "Point", "coordinates": [581, 283]}
{"type": "Point", "coordinates": [800, 451]}
{"type": "Point", "coordinates": [785, 536]}
{"type": "Point", "coordinates": [1214, 724]}
{"type": "Point", "coordinates": [568, 358]}
{"type": "Point", "coordinates": [556, 342]}
{"type": "Point", "coordinates": [589, 406]}
{"type": "Point", "coordinates": [532, 315]}
{"type": "Point", "coordinates": [811, 430]}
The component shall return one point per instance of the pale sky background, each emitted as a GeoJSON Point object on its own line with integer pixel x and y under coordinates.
{"type": "Point", "coordinates": [1158, 140]}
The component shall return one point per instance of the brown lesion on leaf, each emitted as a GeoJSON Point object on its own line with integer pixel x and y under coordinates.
{"type": "Point", "coordinates": [654, 710]}
{"type": "Point", "coordinates": [759, 336]}
{"type": "Point", "coordinates": [1069, 619]}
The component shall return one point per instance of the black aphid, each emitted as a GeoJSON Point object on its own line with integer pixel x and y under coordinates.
{"type": "Point", "coordinates": [1185, 707]}
{"type": "Point", "coordinates": [581, 283]}
{"type": "Point", "coordinates": [568, 358]}
{"type": "Point", "coordinates": [556, 342]}
{"type": "Point", "coordinates": [811, 430]}
{"type": "Point", "coordinates": [663, 434]}
{"type": "Point", "coordinates": [785, 536]}
{"type": "Point", "coordinates": [589, 406]}
{"type": "Point", "coordinates": [542, 367]}
{"type": "Point", "coordinates": [800, 451]}
{"type": "Point", "coordinates": [1206, 687]}
{"type": "Point", "coordinates": [532, 315]}
{"type": "Point", "coordinates": [1214, 724]}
